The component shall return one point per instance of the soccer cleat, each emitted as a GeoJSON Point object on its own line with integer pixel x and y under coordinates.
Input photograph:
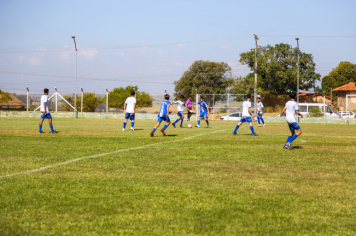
{"type": "Point", "coordinates": [54, 132]}
{"type": "Point", "coordinates": [234, 133]}
{"type": "Point", "coordinates": [181, 126]}
{"type": "Point", "coordinates": [162, 130]}
{"type": "Point", "coordinates": [285, 147]}
{"type": "Point", "coordinates": [132, 129]}
{"type": "Point", "coordinates": [152, 134]}
{"type": "Point", "coordinates": [197, 126]}
{"type": "Point", "coordinates": [254, 134]}
{"type": "Point", "coordinates": [174, 125]}
{"type": "Point", "coordinates": [289, 146]}
{"type": "Point", "coordinates": [123, 129]}
{"type": "Point", "coordinates": [41, 132]}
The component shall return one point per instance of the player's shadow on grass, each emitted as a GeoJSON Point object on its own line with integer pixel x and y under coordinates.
{"type": "Point", "coordinates": [139, 129]}
{"type": "Point", "coordinates": [171, 135]}
{"type": "Point", "coordinates": [297, 147]}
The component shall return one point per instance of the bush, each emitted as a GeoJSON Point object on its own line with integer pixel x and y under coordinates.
{"type": "Point", "coordinates": [315, 112]}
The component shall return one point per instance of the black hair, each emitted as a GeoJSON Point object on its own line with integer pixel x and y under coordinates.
{"type": "Point", "coordinates": [202, 98]}
{"type": "Point", "coordinates": [45, 90]}
{"type": "Point", "coordinates": [166, 96]}
{"type": "Point", "coordinates": [248, 96]}
{"type": "Point", "coordinates": [132, 93]}
{"type": "Point", "coordinates": [182, 96]}
{"type": "Point", "coordinates": [292, 95]}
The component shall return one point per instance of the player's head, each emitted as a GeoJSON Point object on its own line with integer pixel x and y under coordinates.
{"type": "Point", "coordinates": [133, 93]}
{"type": "Point", "coordinates": [45, 91]}
{"type": "Point", "coordinates": [166, 96]}
{"type": "Point", "coordinates": [190, 98]}
{"type": "Point", "coordinates": [181, 97]}
{"type": "Point", "coordinates": [258, 99]}
{"type": "Point", "coordinates": [202, 99]}
{"type": "Point", "coordinates": [292, 95]}
{"type": "Point", "coordinates": [248, 96]}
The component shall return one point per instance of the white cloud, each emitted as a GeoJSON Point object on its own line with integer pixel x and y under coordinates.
{"type": "Point", "coordinates": [161, 52]}
{"type": "Point", "coordinates": [34, 61]}
{"type": "Point", "coordinates": [181, 46]}
{"type": "Point", "coordinates": [20, 58]}
{"type": "Point", "coordinates": [88, 52]}
{"type": "Point", "coordinates": [66, 55]}
{"type": "Point", "coordinates": [225, 47]}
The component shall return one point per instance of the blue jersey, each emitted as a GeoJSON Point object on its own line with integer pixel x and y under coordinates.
{"type": "Point", "coordinates": [164, 109]}
{"type": "Point", "coordinates": [203, 107]}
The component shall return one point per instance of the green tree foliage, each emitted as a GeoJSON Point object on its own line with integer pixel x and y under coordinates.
{"type": "Point", "coordinates": [207, 77]}
{"type": "Point", "coordinates": [277, 68]}
{"type": "Point", "coordinates": [117, 97]}
{"type": "Point", "coordinates": [315, 112]}
{"type": "Point", "coordinates": [344, 73]}
{"type": "Point", "coordinates": [4, 97]}
{"type": "Point", "coordinates": [90, 102]}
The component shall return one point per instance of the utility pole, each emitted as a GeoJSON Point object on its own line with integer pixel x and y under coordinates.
{"type": "Point", "coordinates": [75, 86]}
{"type": "Point", "coordinates": [81, 103]}
{"type": "Point", "coordinates": [255, 86]}
{"type": "Point", "coordinates": [107, 101]}
{"type": "Point", "coordinates": [298, 75]}
{"type": "Point", "coordinates": [55, 88]}
{"type": "Point", "coordinates": [27, 98]}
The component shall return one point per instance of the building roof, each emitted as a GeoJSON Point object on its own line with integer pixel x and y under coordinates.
{"type": "Point", "coordinates": [312, 95]}
{"type": "Point", "coordinates": [347, 87]}
{"type": "Point", "coordinates": [14, 102]}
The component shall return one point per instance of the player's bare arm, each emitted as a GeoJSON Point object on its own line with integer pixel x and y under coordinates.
{"type": "Point", "coordinates": [124, 108]}
{"type": "Point", "coordinates": [284, 111]}
{"type": "Point", "coordinates": [299, 114]}
{"type": "Point", "coordinates": [249, 110]}
{"type": "Point", "coordinates": [134, 110]}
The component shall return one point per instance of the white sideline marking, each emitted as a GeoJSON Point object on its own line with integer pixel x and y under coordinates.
{"type": "Point", "coordinates": [102, 154]}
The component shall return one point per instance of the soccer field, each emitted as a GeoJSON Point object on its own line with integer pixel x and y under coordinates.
{"type": "Point", "coordinates": [94, 179]}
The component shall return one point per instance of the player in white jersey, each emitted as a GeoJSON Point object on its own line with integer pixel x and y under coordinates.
{"type": "Point", "coordinates": [180, 104]}
{"type": "Point", "coordinates": [129, 110]}
{"type": "Point", "coordinates": [260, 112]}
{"type": "Point", "coordinates": [247, 115]}
{"type": "Point", "coordinates": [45, 112]}
{"type": "Point", "coordinates": [290, 110]}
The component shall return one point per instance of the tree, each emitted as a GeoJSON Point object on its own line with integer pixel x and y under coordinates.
{"type": "Point", "coordinates": [344, 73]}
{"type": "Point", "coordinates": [4, 97]}
{"type": "Point", "coordinates": [90, 102]}
{"type": "Point", "coordinates": [277, 68]}
{"type": "Point", "coordinates": [206, 77]}
{"type": "Point", "coordinates": [117, 97]}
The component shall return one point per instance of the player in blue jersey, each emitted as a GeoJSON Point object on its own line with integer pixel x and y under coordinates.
{"type": "Point", "coordinates": [290, 110]}
{"type": "Point", "coordinates": [45, 112]}
{"type": "Point", "coordinates": [204, 111]}
{"type": "Point", "coordinates": [180, 104]}
{"type": "Point", "coordinates": [163, 115]}
{"type": "Point", "coordinates": [260, 108]}
{"type": "Point", "coordinates": [247, 115]}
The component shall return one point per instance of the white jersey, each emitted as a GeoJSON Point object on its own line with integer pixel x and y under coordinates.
{"type": "Point", "coordinates": [180, 105]}
{"type": "Point", "coordinates": [245, 106]}
{"type": "Point", "coordinates": [130, 101]}
{"type": "Point", "coordinates": [291, 108]}
{"type": "Point", "coordinates": [44, 99]}
{"type": "Point", "coordinates": [259, 106]}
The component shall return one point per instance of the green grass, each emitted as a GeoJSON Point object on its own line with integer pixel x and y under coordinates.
{"type": "Point", "coordinates": [212, 184]}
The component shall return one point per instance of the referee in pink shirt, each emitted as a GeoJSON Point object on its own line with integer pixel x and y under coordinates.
{"type": "Point", "coordinates": [189, 107]}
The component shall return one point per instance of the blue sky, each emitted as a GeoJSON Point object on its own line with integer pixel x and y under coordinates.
{"type": "Point", "coordinates": [170, 36]}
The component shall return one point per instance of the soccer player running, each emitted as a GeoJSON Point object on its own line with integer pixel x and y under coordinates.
{"type": "Point", "coordinates": [260, 112]}
{"type": "Point", "coordinates": [204, 111]}
{"type": "Point", "coordinates": [290, 110]}
{"type": "Point", "coordinates": [163, 115]}
{"type": "Point", "coordinates": [45, 112]}
{"type": "Point", "coordinates": [247, 115]}
{"type": "Point", "coordinates": [189, 107]}
{"type": "Point", "coordinates": [180, 104]}
{"type": "Point", "coordinates": [129, 110]}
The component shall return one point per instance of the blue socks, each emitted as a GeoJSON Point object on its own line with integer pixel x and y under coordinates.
{"type": "Point", "coordinates": [51, 128]}
{"type": "Point", "coordinates": [181, 121]}
{"type": "Point", "coordinates": [263, 122]}
{"type": "Point", "coordinates": [175, 121]}
{"type": "Point", "coordinates": [293, 138]}
{"type": "Point", "coordinates": [165, 127]}
{"type": "Point", "coordinates": [40, 128]}
{"type": "Point", "coordinates": [253, 132]}
{"type": "Point", "coordinates": [258, 119]}
{"type": "Point", "coordinates": [199, 122]}
{"type": "Point", "coordinates": [132, 124]}
{"type": "Point", "coordinates": [124, 125]}
{"type": "Point", "coordinates": [237, 127]}
{"type": "Point", "coordinates": [154, 129]}
{"type": "Point", "coordinates": [207, 122]}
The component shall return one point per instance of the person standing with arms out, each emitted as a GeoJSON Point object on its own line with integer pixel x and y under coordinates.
{"type": "Point", "coordinates": [290, 110]}
{"type": "Point", "coordinates": [260, 112]}
{"type": "Point", "coordinates": [247, 115]}
{"type": "Point", "coordinates": [163, 115]}
{"type": "Point", "coordinates": [180, 104]}
{"type": "Point", "coordinates": [129, 110]}
{"type": "Point", "coordinates": [189, 107]}
{"type": "Point", "coordinates": [45, 112]}
{"type": "Point", "coordinates": [204, 111]}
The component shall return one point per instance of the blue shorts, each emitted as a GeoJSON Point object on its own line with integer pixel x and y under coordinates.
{"type": "Point", "coordinates": [246, 120]}
{"type": "Point", "coordinates": [160, 119]}
{"type": "Point", "coordinates": [294, 126]}
{"type": "Point", "coordinates": [47, 116]}
{"type": "Point", "coordinates": [129, 116]}
{"type": "Point", "coordinates": [203, 115]}
{"type": "Point", "coordinates": [260, 114]}
{"type": "Point", "coordinates": [180, 113]}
